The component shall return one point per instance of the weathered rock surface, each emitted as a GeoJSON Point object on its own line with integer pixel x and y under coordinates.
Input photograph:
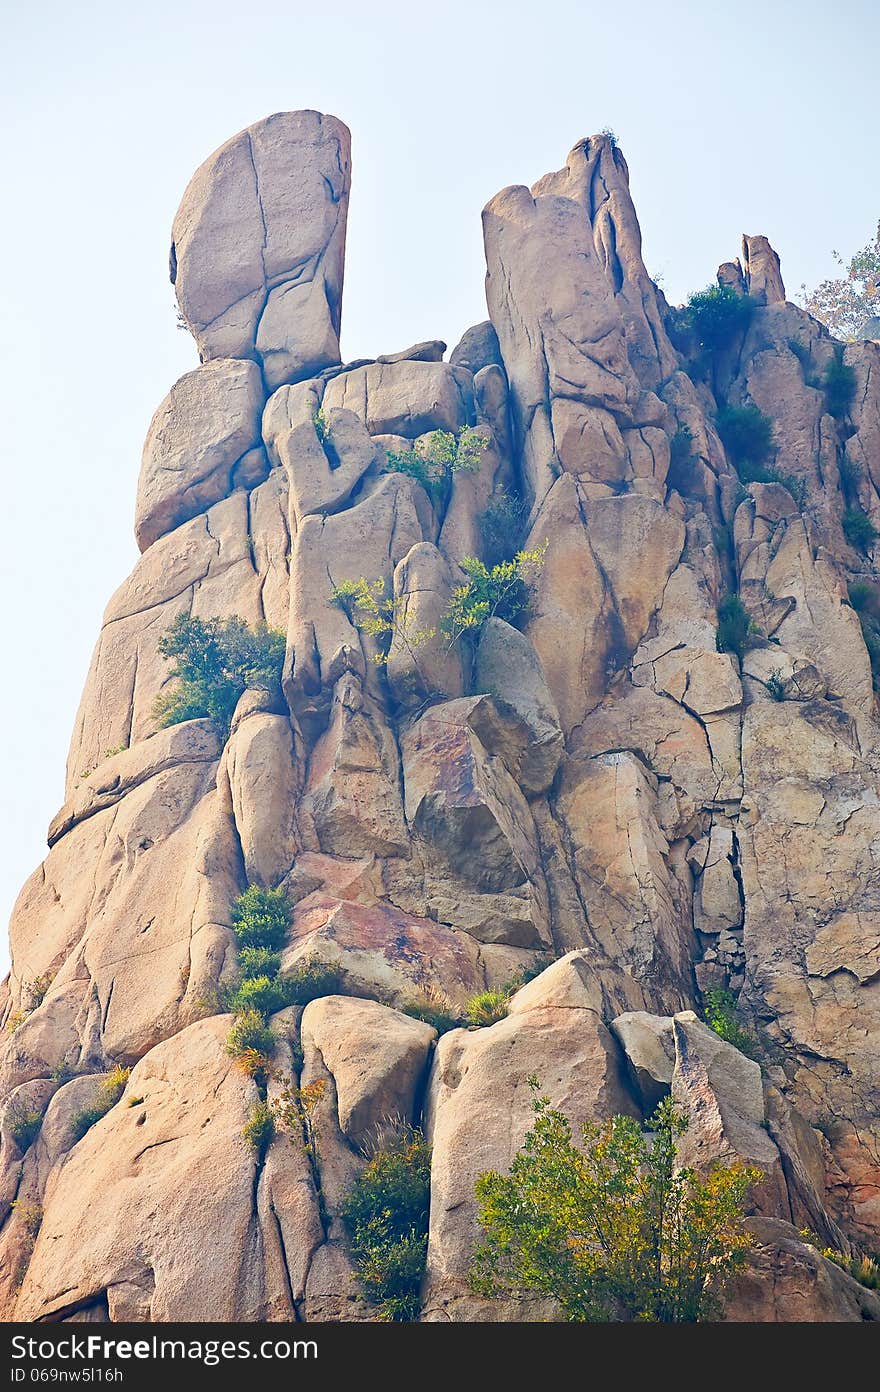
{"type": "Point", "coordinates": [258, 245]}
{"type": "Point", "coordinates": [207, 425]}
{"type": "Point", "coordinates": [591, 796]}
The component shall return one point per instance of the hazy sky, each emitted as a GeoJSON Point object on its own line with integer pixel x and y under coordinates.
{"type": "Point", "coordinates": [758, 120]}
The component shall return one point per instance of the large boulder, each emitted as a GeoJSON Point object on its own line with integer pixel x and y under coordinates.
{"type": "Point", "coordinates": [207, 426]}
{"type": "Point", "coordinates": [376, 1057]}
{"type": "Point", "coordinates": [258, 245]}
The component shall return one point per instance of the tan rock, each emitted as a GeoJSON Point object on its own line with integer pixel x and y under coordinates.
{"type": "Point", "coordinates": [365, 541]}
{"type": "Point", "coordinates": [609, 808]}
{"type": "Point", "coordinates": [508, 668]}
{"type": "Point", "coordinates": [259, 241]}
{"type": "Point", "coordinates": [404, 398]}
{"type": "Point", "coordinates": [352, 794]}
{"type": "Point", "coordinates": [720, 1091]}
{"type": "Point", "coordinates": [265, 778]}
{"type": "Point", "coordinates": [787, 1280]}
{"type": "Point", "coordinates": [423, 662]}
{"type": "Point", "coordinates": [761, 273]}
{"type": "Point", "coordinates": [376, 1057]}
{"type": "Point", "coordinates": [152, 1187]}
{"type": "Point", "coordinates": [649, 1044]}
{"type": "Point", "coordinates": [464, 802]}
{"type": "Point", "coordinates": [207, 424]}
{"type": "Point", "coordinates": [384, 954]}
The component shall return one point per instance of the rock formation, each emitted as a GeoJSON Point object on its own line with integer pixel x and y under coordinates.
{"type": "Point", "coordinates": [599, 799]}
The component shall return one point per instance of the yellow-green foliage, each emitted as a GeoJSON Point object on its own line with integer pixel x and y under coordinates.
{"type": "Point", "coordinates": [500, 591]}
{"type": "Point", "coordinates": [720, 1012]}
{"type": "Point", "coordinates": [612, 1229]}
{"type": "Point", "coordinates": [259, 1128]}
{"type": "Point", "coordinates": [487, 1007]}
{"type": "Point", "coordinates": [436, 457]}
{"type": "Point", "coordinates": [379, 615]}
{"type": "Point", "coordinates": [108, 1093]}
{"type": "Point", "coordinates": [386, 1215]}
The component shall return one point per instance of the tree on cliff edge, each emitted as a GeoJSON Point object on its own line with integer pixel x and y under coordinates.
{"type": "Point", "coordinates": [844, 305]}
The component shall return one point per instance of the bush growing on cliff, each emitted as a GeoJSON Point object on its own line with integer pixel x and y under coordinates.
{"type": "Point", "coordinates": [736, 631]}
{"type": "Point", "coordinates": [502, 524]}
{"type": "Point", "coordinates": [487, 1007]}
{"type": "Point", "coordinates": [839, 384]}
{"type": "Point", "coordinates": [612, 1230]}
{"type": "Point", "coordinates": [717, 315]}
{"type": "Point", "coordinates": [721, 1015]}
{"type": "Point", "coordinates": [386, 1217]}
{"type": "Point", "coordinates": [22, 1124]}
{"type": "Point", "coordinates": [747, 435]}
{"type": "Point", "coordinates": [858, 529]}
{"type": "Point", "coordinates": [250, 1038]}
{"type": "Point", "coordinates": [261, 918]}
{"type": "Point", "coordinates": [865, 599]}
{"type": "Point", "coordinates": [433, 460]}
{"type": "Point", "coordinates": [107, 1095]}
{"type": "Point", "coordinates": [215, 661]}
{"type": "Point", "coordinates": [259, 1129]}
{"type": "Point", "coordinates": [435, 1009]}
{"type": "Point", "coordinates": [500, 591]}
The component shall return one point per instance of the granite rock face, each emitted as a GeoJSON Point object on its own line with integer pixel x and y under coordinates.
{"type": "Point", "coordinates": [594, 793]}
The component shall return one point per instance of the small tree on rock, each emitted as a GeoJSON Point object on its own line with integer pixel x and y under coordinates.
{"type": "Point", "coordinates": [614, 1230]}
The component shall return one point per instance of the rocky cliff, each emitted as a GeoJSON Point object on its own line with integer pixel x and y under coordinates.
{"type": "Point", "coordinates": [602, 801]}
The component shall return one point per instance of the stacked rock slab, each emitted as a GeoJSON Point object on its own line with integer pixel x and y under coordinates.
{"type": "Point", "coordinates": [599, 798]}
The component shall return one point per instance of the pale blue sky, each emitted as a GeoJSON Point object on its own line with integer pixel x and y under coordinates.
{"type": "Point", "coordinates": [762, 120]}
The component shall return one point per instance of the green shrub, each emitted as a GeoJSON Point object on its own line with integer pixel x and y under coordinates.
{"type": "Point", "coordinates": [500, 591]}
{"type": "Point", "coordinates": [865, 599]}
{"type": "Point", "coordinates": [858, 529]}
{"type": "Point", "coordinates": [259, 1129]}
{"type": "Point", "coordinates": [261, 918]}
{"type": "Point", "coordinates": [776, 685]}
{"type": "Point", "coordinates": [216, 660]}
{"type": "Point", "coordinates": [839, 384]}
{"type": "Point", "coordinates": [747, 435]}
{"type": "Point", "coordinates": [765, 473]}
{"type": "Point", "coordinates": [721, 1015]}
{"type": "Point", "coordinates": [718, 315]}
{"type": "Point", "coordinates": [502, 524]}
{"type": "Point", "coordinates": [613, 1230]}
{"type": "Point", "coordinates": [265, 994]}
{"type": "Point", "coordinates": [22, 1124]}
{"type": "Point", "coordinates": [308, 982]}
{"type": "Point", "coordinates": [322, 427]}
{"type": "Point", "coordinates": [433, 460]}
{"type": "Point", "coordinates": [386, 1217]}
{"type": "Point", "coordinates": [108, 1093]}
{"type": "Point", "coordinates": [258, 961]}
{"type": "Point", "coordinates": [736, 631]}
{"type": "Point", "coordinates": [682, 462]}
{"type": "Point", "coordinates": [487, 1007]}
{"type": "Point", "coordinates": [250, 1035]}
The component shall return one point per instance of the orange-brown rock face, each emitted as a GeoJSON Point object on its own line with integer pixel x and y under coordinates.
{"type": "Point", "coordinates": [592, 795]}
